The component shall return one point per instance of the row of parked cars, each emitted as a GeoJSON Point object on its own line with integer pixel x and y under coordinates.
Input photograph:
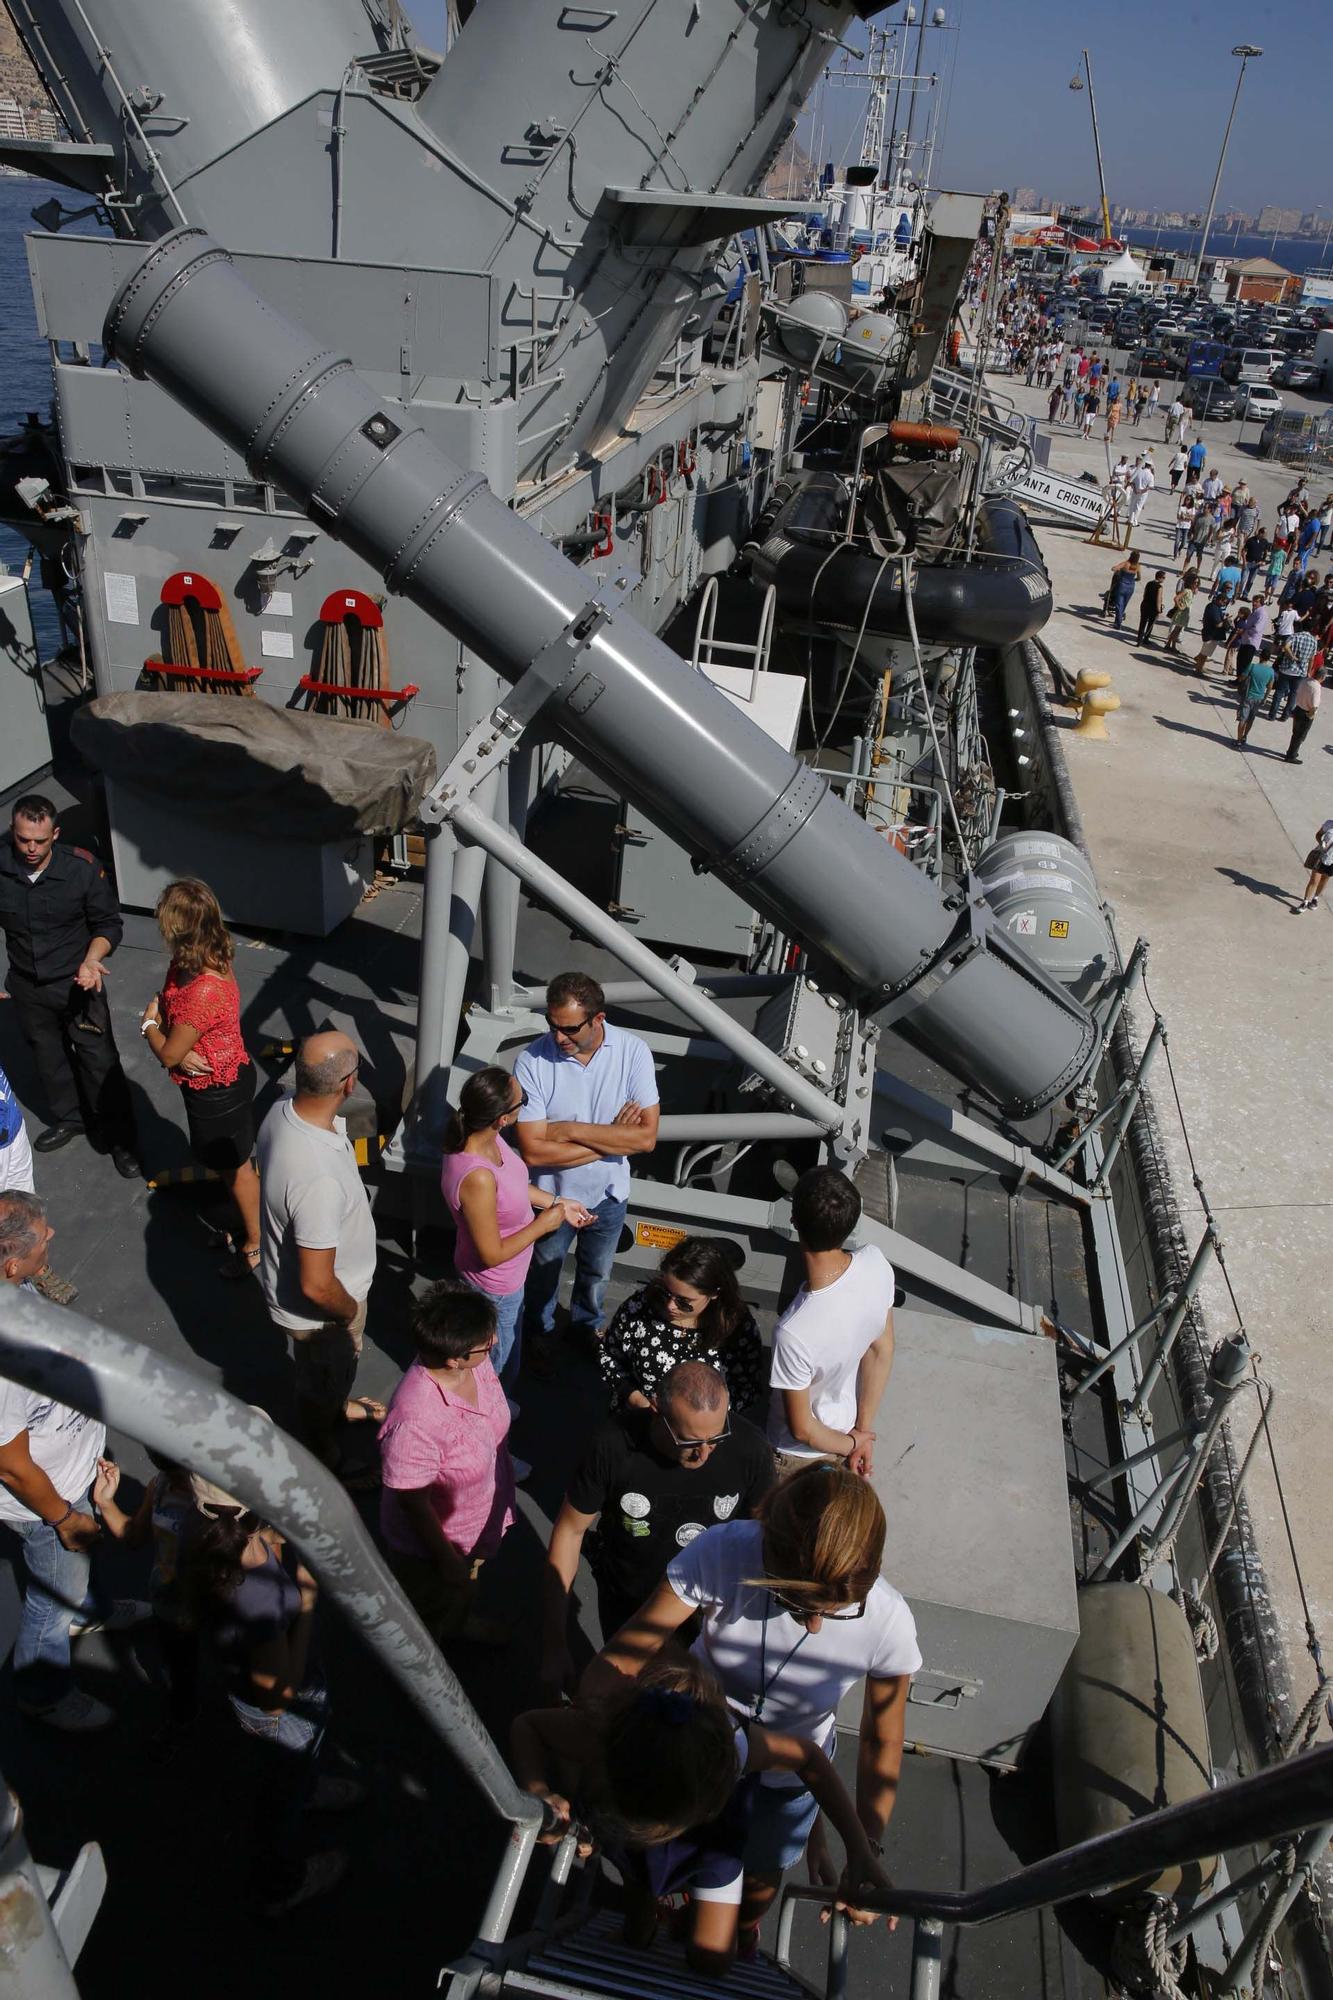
{"type": "Point", "coordinates": [1230, 361]}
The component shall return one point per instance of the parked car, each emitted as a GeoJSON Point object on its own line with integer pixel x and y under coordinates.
{"type": "Point", "coordinates": [1259, 399]}
{"type": "Point", "coordinates": [1156, 361]}
{"type": "Point", "coordinates": [1209, 397]}
{"type": "Point", "coordinates": [1298, 373]}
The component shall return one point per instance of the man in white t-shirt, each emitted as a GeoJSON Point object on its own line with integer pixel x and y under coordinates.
{"type": "Point", "coordinates": [317, 1242]}
{"type": "Point", "coordinates": [833, 1347]}
{"type": "Point", "coordinates": [48, 1460]}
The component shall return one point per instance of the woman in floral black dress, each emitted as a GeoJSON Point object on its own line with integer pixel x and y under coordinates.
{"type": "Point", "coordinates": [693, 1311]}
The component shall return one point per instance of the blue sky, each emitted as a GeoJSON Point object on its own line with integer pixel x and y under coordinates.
{"type": "Point", "coordinates": [1164, 76]}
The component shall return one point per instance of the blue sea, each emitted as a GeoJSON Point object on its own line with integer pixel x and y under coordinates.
{"type": "Point", "coordinates": [25, 383]}
{"type": "Point", "coordinates": [1295, 253]}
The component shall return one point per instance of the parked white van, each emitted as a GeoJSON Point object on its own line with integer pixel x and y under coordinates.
{"type": "Point", "coordinates": [1257, 364]}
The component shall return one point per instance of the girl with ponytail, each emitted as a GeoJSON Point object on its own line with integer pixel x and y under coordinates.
{"type": "Point", "coordinates": [497, 1212]}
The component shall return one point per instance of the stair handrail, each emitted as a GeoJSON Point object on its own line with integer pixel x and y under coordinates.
{"type": "Point", "coordinates": [1272, 1804]}
{"type": "Point", "coordinates": [169, 1407]}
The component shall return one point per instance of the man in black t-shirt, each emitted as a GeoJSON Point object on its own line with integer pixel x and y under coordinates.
{"type": "Point", "coordinates": [653, 1479]}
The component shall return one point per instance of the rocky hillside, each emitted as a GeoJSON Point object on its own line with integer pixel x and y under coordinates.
{"type": "Point", "coordinates": [18, 79]}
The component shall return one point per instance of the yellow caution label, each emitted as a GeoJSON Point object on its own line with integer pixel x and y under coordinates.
{"type": "Point", "coordinates": [1059, 927]}
{"type": "Point", "coordinates": [657, 1236]}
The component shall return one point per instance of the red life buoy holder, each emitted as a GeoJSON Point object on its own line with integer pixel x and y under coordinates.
{"type": "Point", "coordinates": [341, 604]}
{"type": "Point", "coordinates": [189, 585]}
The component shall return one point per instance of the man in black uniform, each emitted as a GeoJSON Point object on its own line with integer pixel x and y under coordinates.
{"type": "Point", "coordinates": [657, 1478]}
{"type": "Point", "coordinates": [61, 922]}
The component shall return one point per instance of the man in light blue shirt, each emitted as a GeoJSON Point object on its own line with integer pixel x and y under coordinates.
{"type": "Point", "coordinates": [590, 1103]}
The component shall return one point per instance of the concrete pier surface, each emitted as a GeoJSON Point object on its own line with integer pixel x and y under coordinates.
{"type": "Point", "coordinates": [1200, 846]}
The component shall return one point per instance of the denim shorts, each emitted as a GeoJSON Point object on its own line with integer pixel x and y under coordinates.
{"type": "Point", "coordinates": [780, 1824]}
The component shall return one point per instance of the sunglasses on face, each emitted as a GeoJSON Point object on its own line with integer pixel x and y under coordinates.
{"type": "Point", "coordinates": [697, 1444]}
{"type": "Point", "coordinates": [572, 1028]}
{"type": "Point", "coordinates": [673, 1302]}
{"type": "Point", "coordinates": [801, 1611]}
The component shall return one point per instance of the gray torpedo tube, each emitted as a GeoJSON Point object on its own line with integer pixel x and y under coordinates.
{"type": "Point", "coordinates": [748, 811]}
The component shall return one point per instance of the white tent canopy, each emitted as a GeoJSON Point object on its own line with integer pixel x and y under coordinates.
{"type": "Point", "coordinates": [1125, 274]}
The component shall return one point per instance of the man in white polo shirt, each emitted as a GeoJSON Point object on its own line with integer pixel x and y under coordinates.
{"type": "Point", "coordinates": [833, 1347]}
{"type": "Point", "coordinates": [317, 1241]}
{"type": "Point", "coordinates": [591, 1102]}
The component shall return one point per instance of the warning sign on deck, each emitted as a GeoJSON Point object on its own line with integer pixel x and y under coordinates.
{"type": "Point", "coordinates": [658, 1236]}
{"type": "Point", "coordinates": [1059, 927]}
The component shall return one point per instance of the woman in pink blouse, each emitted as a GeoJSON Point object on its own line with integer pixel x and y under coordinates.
{"type": "Point", "coordinates": [193, 1027]}
{"type": "Point", "coordinates": [497, 1212]}
{"type": "Point", "coordinates": [448, 1493]}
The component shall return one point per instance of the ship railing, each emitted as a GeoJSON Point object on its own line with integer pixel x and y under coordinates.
{"type": "Point", "coordinates": [954, 395]}
{"type": "Point", "coordinates": [1286, 1802]}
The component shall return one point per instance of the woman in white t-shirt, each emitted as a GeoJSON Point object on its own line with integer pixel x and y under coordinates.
{"type": "Point", "coordinates": [795, 1612]}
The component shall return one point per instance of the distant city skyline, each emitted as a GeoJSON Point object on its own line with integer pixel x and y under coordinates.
{"type": "Point", "coordinates": [1164, 76]}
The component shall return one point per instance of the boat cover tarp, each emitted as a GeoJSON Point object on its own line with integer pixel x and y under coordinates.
{"type": "Point", "coordinates": [224, 758]}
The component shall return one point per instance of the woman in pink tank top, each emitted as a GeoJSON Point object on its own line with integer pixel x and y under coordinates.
{"type": "Point", "coordinates": [486, 1186]}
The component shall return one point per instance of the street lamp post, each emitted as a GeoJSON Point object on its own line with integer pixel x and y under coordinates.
{"type": "Point", "coordinates": [1244, 50]}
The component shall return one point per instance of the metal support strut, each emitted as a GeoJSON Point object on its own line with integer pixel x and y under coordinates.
{"type": "Point", "coordinates": [473, 825]}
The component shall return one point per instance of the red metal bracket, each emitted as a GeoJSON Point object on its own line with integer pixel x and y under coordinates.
{"type": "Point", "coordinates": [606, 522]}
{"type": "Point", "coordinates": [390, 695]}
{"type": "Point", "coordinates": [239, 677]}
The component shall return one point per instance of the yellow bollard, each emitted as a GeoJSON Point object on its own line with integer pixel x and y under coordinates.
{"type": "Point", "coordinates": [1097, 705]}
{"type": "Point", "coordinates": [1089, 678]}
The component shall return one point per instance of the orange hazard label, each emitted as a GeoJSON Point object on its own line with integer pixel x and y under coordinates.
{"type": "Point", "coordinates": [657, 1236]}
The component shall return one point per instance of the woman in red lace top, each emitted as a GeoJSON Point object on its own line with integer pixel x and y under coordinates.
{"type": "Point", "coordinates": [193, 1027]}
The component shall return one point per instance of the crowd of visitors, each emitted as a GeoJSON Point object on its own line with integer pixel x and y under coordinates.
{"type": "Point", "coordinates": [1273, 639]}
{"type": "Point", "coordinates": [722, 1500]}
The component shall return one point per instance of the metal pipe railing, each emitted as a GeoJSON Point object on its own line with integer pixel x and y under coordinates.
{"type": "Point", "coordinates": [1286, 1799]}
{"type": "Point", "coordinates": [474, 825]}
{"type": "Point", "coordinates": [198, 1425]}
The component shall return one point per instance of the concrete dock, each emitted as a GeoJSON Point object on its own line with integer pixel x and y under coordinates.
{"type": "Point", "coordinates": [1199, 847]}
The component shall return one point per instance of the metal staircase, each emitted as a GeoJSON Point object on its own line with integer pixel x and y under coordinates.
{"type": "Point", "coordinates": [591, 1960]}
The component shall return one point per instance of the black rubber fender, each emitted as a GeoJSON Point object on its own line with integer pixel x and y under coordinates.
{"type": "Point", "coordinates": [999, 597]}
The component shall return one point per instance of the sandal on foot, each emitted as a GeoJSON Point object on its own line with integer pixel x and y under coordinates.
{"type": "Point", "coordinates": [60, 1291]}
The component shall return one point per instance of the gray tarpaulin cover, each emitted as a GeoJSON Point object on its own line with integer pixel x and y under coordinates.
{"type": "Point", "coordinates": [227, 759]}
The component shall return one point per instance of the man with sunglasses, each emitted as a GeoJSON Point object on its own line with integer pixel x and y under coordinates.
{"type": "Point", "coordinates": [653, 1480]}
{"type": "Point", "coordinates": [317, 1239]}
{"type": "Point", "coordinates": [592, 1104]}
